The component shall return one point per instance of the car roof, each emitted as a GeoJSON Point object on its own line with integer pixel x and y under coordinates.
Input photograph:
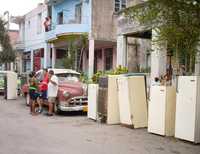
{"type": "Point", "coordinates": [61, 71]}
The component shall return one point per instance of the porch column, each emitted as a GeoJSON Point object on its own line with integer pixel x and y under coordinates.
{"type": "Point", "coordinates": [32, 60]}
{"type": "Point", "coordinates": [121, 50]}
{"type": "Point", "coordinates": [91, 58]}
{"type": "Point", "coordinates": [53, 56]}
{"type": "Point", "coordinates": [47, 51]}
{"type": "Point", "coordinates": [197, 64]}
{"type": "Point", "coordinates": [158, 57]}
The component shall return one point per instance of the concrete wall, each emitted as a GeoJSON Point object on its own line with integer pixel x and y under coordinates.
{"type": "Point", "coordinates": [103, 20]}
{"type": "Point", "coordinates": [137, 54]}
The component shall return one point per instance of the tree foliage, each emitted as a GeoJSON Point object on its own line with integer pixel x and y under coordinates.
{"type": "Point", "coordinates": [77, 45]}
{"type": "Point", "coordinates": [177, 22]}
{"type": "Point", "coordinates": [7, 54]}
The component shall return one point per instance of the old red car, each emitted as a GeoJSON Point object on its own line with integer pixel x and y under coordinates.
{"type": "Point", "coordinates": [72, 93]}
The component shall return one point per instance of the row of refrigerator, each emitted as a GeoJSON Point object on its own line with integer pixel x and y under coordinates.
{"type": "Point", "coordinates": [170, 111]}
{"type": "Point", "coordinates": [175, 111]}
{"type": "Point", "coordinates": [119, 99]}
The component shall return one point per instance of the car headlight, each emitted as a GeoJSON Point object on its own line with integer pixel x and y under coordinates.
{"type": "Point", "coordinates": [66, 94]}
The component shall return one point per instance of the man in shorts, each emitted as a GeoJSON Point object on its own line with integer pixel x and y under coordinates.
{"type": "Point", "coordinates": [52, 91]}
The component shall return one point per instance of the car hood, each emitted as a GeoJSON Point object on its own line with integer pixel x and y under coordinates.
{"type": "Point", "coordinates": [74, 88]}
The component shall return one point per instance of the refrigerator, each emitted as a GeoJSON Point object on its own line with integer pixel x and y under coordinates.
{"type": "Point", "coordinates": [113, 116]}
{"type": "Point", "coordinates": [108, 107]}
{"type": "Point", "coordinates": [188, 109]}
{"type": "Point", "coordinates": [92, 101]}
{"type": "Point", "coordinates": [132, 101]}
{"type": "Point", "coordinates": [161, 110]}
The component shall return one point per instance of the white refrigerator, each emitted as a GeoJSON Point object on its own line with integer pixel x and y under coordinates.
{"type": "Point", "coordinates": [161, 113]}
{"type": "Point", "coordinates": [188, 109]}
{"type": "Point", "coordinates": [93, 90]}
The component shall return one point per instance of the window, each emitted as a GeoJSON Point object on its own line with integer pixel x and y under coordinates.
{"type": "Point", "coordinates": [78, 13]}
{"type": "Point", "coordinates": [120, 4]}
{"type": "Point", "coordinates": [39, 23]}
{"type": "Point", "coordinates": [60, 18]}
{"type": "Point", "coordinates": [108, 59]}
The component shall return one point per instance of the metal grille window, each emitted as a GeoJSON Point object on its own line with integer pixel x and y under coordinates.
{"type": "Point", "coordinates": [120, 4]}
{"type": "Point", "coordinates": [108, 59]}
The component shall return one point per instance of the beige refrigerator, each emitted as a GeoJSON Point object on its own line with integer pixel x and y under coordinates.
{"type": "Point", "coordinates": [161, 110]}
{"type": "Point", "coordinates": [132, 101]}
{"type": "Point", "coordinates": [188, 109]}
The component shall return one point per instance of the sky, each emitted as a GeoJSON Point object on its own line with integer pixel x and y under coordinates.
{"type": "Point", "coordinates": [18, 7]}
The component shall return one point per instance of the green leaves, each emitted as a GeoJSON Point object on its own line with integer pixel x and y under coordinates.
{"type": "Point", "coordinates": [7, 54]}
{"type": "Point", "coordinates": [177, 21]}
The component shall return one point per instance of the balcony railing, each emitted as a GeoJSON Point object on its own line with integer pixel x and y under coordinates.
{"type": "Point", "coordinates": [69, 26]}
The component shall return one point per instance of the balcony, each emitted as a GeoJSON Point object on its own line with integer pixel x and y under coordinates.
{"type": "Point", "coordinates": [65, 29]}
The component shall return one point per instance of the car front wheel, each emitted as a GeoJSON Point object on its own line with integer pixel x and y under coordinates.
{"type": "Point", "coordinates": [56, 109]}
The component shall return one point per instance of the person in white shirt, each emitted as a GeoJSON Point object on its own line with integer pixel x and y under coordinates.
{"type": "Point", "coordinates": [52, 91]}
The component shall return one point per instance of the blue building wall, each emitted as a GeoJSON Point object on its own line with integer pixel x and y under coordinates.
{"type": "Point", "coordinates": [68, 9]}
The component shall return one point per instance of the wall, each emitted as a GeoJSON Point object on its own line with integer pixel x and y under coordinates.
{"type": "Point", "coordinates": [68, 9]}
{"type": "Point", "coordinates": [34, 40]}
{"type": "Point", "coordinates": [103, 20]}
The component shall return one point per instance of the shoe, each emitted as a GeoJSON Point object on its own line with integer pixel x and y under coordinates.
{"type": "Point", "coordinates": [49, 114]}
{"type": "Point", "coordinates": [40, 110]}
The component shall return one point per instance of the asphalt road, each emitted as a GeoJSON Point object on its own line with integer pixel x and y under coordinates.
{"type": "Point", "coordinates": [21, 133]}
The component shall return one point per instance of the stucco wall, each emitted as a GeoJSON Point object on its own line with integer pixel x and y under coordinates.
{"type": "Point", "coordinates": [137, 54]}
{"type": "Point", "coordinates": [103, 20]}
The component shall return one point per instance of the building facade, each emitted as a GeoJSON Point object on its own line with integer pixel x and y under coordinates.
{"type": "Point", "coordinates": [97, 19]}
{"type": "Point", "coordinates": [31, 41]}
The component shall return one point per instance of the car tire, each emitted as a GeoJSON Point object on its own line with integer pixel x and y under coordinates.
{"type": "Point", "coordinates": [56, 109]}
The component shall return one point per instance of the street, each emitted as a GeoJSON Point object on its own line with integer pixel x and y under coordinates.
{"type": "Point", "coordinates": [21, 133]}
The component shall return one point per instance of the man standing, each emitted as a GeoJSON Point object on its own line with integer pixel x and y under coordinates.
{"type": "Point", "coordinates": [52, 91]}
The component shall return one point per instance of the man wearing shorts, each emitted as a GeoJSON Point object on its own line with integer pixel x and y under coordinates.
{"type": "Point", "coordinates": [52, 91]}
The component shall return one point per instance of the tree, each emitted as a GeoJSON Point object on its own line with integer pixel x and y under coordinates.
{"type": "Point", "coordinates": [77, 45]}
{"type": "Point", "coordinates": [7, 54]}
{"type": "Point", "coordinates": [177, 22]}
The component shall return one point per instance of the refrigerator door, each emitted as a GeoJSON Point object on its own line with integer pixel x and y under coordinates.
{"type": "Point", "coordinates": [157, 109]}
{"type": "Point", "coordinates": [138, 102]}
{"type": "Point", "coordinates": [124, 104]}
{"type": "Point", "coordinates": [186, 108]}
{"type": "Point", "coordinates": [113, 116]}
{"type": "Point", "coordinates": [92, 101]}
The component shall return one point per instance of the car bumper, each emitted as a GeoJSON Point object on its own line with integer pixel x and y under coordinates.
{"type": "Point", "coordinates": [72, 108]}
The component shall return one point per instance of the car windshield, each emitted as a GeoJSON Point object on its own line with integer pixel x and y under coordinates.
{"type": "Point", "coordinates": [67, 77]}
